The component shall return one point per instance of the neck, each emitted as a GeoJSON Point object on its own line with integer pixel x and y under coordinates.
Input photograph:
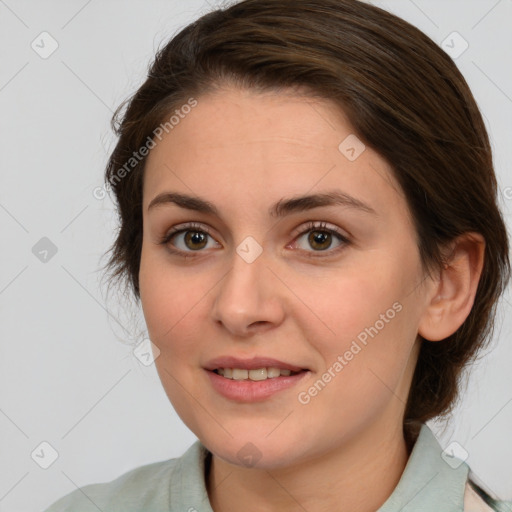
{"type": "Point", "coordinates": [358, 477]}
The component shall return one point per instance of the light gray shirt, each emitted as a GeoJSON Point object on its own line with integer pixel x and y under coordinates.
{"type": "Point", "coordinates": [432, 481]}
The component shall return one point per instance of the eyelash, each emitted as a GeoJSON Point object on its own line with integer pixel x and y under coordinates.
{"type": "Point", "coordinates": [310, 226]}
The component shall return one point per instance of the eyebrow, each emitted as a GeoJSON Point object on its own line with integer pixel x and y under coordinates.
{"type": "Point", "coordinates": [280, 209]}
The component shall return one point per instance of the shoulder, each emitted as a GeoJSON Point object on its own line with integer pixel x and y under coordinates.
{"type": "Point", "coordinates": [152, 487]}
{"type": "Point", "coordinates": [441, 480]}
{"type": "Point", "coordinates": [142, 486]}
{"type": "Point", "coordinates": [476, 499]}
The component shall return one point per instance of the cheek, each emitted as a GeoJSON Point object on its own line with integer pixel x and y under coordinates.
{"type": "Point", "coordinates": [361, 368]}
{"type": "Point", "coordinates": [161, 294]}
{"type": "Point", "coordinates": [365, 316]}
{"type": "Point", "coordinates": [171, 303]}
{"type": "Point", "coordinates": [174, 306]}
{"type": "Point", "coordinates": [344, 305]}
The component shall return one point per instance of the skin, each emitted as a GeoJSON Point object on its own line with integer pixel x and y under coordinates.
{"type": "Point", "coordinates": [243, 151]}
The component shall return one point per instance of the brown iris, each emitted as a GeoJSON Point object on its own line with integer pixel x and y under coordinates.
{"type": "Point", "coordinates": [195, 237]}
{"type": "Point", "coordinates": [320, 239]}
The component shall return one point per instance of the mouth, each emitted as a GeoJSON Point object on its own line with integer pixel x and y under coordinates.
{"type": "Point", "coordinates": [252, 380]}
{"type": "Point", "coordinates": [256, 374]}
{"type": "Point", "coordinates": [258, 366]}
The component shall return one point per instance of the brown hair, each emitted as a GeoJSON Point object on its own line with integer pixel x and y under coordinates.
{"type": "Point", "coordinates": [404, 97]}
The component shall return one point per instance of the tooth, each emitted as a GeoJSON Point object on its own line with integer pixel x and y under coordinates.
{"type": "Point", "coordinates": [273, 372]}
{"type": "Point", "coordinates": [255, 375]}
{"type": "Point", "coordinates": [239, 374]}
{"type": "Point", "coordinates": [259, 374]}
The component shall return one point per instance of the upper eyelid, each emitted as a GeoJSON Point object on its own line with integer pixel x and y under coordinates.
{"type": "Point", "coordinates": [319, 225]}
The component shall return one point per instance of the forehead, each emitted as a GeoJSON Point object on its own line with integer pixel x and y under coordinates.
{"type": "Point", "coordinates": [273, 144]}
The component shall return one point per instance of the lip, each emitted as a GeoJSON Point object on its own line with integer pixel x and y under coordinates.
{"type": "Point", "coordinates": [250, 364]}
{"type": "Point", "coordinates": [253, 391]}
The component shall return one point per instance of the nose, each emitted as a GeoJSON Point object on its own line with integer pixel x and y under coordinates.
{"type": "Point", "coordinates": [247, 298]}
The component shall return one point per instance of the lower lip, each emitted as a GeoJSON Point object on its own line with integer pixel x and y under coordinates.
{"type": "Point", "coordinates": [252, 391]}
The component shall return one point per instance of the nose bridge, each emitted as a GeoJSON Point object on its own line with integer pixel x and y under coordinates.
{"type": "Point", "coordinates": [244, 282]}
{"type": "Point", "coordinates": [247, 295]}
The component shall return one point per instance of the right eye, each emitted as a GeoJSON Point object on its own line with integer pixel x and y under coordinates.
{"type": "Point", "coordinates": [187, 238]}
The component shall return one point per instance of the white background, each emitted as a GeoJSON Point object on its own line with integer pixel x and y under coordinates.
{"type": "Point", "coordinates": [67, 372]}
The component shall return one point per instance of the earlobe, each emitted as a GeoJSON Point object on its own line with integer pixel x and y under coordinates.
{"type": "Point", "coordinates": [452, 297]}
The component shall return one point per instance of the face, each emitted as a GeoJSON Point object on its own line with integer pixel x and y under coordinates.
{"type": "Point", "coordinates": [328, 287]}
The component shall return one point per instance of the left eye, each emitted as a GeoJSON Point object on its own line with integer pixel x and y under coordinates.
{"type": "Point", "coordinates": [320, 237]}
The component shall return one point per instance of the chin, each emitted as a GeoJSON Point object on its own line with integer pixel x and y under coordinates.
{"type": "Point", "coordinates": [264, 454]}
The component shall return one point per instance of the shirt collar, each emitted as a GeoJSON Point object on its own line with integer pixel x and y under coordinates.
{"type": "Point", "coordinates": [428, 482]}
{"type": "Point", "coordinates": [431, 480]}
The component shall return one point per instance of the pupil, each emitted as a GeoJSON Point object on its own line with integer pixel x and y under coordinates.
{"type": "Point", "coordinates": [320, 238]}
{"type": "Point", "coordinates": [196, 238]}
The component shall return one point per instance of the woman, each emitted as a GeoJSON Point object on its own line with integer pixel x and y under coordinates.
{"type": "Point", "coordinates": [308, 217]}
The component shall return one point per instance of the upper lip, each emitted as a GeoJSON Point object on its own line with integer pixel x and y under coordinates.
{"type": "Point", "coordinates": [250, 364]}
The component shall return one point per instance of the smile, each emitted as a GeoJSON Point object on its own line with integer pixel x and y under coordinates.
{"type": "Point", "coordinates": [241, 387]}
{"type": "Point", "coordinates": [255, 375]}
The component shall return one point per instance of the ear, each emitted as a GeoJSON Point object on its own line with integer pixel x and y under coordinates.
{"type": "Point", "coordinates": [452, 296]}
